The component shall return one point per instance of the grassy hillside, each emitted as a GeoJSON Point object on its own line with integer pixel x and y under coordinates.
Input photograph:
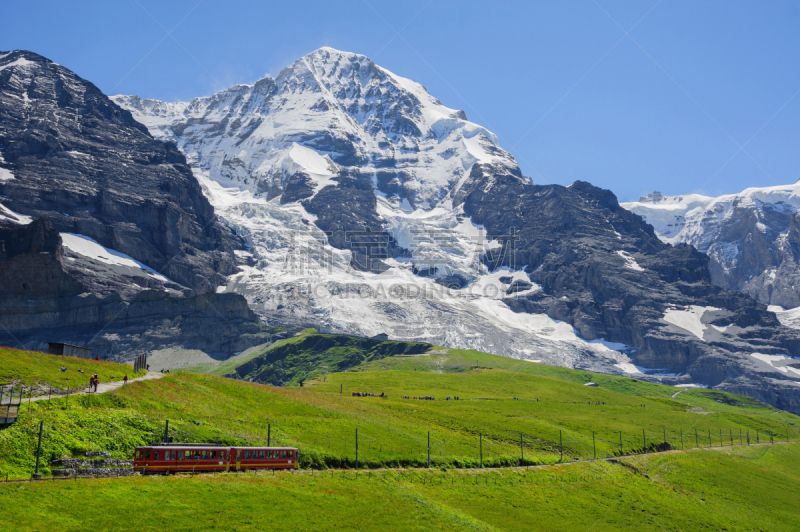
{"type": "Point", "coordinates": [33, 369]}
{"type": "Point", "coordinates": [290, 361]}
{"type": "Point", "coordinates": [753, 488]}
{"type": "Point", "coordinates": [498, 410]}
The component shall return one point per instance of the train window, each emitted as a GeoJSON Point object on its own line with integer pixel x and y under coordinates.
{"type": "Point", "coordinates": [212, 455]}
{"type": "Point", "coordinates": [147, 454]}
{"type": "Point", "coordinates": [247, 455]}
{"type": "Point", "coordinates": [260, 455]}
{"type": "Point", "coordinates": [155, 455]}
{"type": "Point", "coordinates": [205, 455]}
{"type": "Point", "coordinates": [180, 455]}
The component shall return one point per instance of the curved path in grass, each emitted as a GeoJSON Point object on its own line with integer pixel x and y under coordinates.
{"type": "Point", "coordinates": [103, 387]}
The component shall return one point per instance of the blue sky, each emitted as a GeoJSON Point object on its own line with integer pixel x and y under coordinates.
{"type": "Point", "coordinates": [679, 96]}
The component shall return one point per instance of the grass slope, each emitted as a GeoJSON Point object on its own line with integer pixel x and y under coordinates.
{"type": "Point", "coordinates": [311, 355]}
{"type": "Point", "coordinates": [498, 410]}
{"type": "Point", "coordinates": [749, 488]}
{"type": "Point", "coordinates": [33, 369]}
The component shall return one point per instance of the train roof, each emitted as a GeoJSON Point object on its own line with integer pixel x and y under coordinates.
{"type": "Point", "coordinates": [194, 446]}
{"type": "Point", "coordinates": [270, 448]}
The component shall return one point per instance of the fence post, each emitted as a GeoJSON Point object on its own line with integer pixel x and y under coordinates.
{"type": "Point", "coordinates": [770, 438]}
{"type": "Point", "coordinates": [758, 440]}
{"type": "Point", "coordinates": [269, 433]}
{"type": "Point", "coordinates": [36, 475]}
{"type": "Point", "coordinates": [644, 442]}
{"type": "Point", "coordinates": [594, 447]}
{"type": "Point", "coordinates": [561, 445]}
{"type": "Point", "coordinates": [709, 439]}
{"type": "Point", "coordinates": [11, 400]}
{"type": "Point", "coordinates": [429, 449]}
{"type": "Point", "coordinates": [620, 443]}
{"type": "Point", "coordinates": [696, 439]}
{"type": "Point", "coordinates": [681, 439]}
{"type": "Point", "coordinates": [720, 438]}
{"type": "Point", "coordinates": [341, 387]}
{"type": "Point", "coordinates": [731, 435]}
{"type": "Point", "coordinates": [356, 451]}
{"type": "Point", "coordinates": [480, 441]}
{"type": "Point", "coordinates": [166, 431]}
{"type": "Point", "coordinates": [748, 436]}
{"type": "Point", "coordinates": [522, 450]}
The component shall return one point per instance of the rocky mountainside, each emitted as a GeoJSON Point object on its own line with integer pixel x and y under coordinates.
{"type": "Point", "coordinates": [752, 238]}
{"type": "Point", "coordinates": [367, 206]}
{"type": "Point", "coordinates": [106, 238]}
{"type": "Point", "coordinates": [43, 302]}
{"type": "Point", "coordinates": [69, 153]}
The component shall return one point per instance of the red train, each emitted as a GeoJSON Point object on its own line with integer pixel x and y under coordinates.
{"type": "Point", "coordinates": [188, 457]}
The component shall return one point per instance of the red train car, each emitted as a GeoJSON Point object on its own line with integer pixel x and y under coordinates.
{"type": "Point", "coordinates": [187, 457]}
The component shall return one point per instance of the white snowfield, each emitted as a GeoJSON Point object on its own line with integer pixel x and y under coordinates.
{"type": "Point", "coordinates": [83, 245]}
{"type": "Point", "coordinates": [5, 175]}
{"type": "Point", "coordinates": [630, 262]}
{"type": "Point", "coordinates": [11, 216]}
{"type": "Point", "coordinates": [789, 318]}
{"type": "Point", "coordinates": [783, 363]}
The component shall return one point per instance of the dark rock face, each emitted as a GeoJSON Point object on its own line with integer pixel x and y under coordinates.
{"type": "Point", "coordinates": [603, 270]}
{"type": "Point", "coordinates": [41, 302]}
{"type": "Point", "coordinates": [85, 163]}
{"type": "Point", "coordinates": [348, 214]}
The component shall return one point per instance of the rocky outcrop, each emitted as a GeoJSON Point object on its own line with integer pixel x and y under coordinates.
{"type": "Point", "coordinates": [41, 302]}
{"type": "Point", "coordinates": [71, 154]}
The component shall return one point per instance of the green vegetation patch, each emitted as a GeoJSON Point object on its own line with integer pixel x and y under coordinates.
{"type": "Point", "coordinates": [748, 488]}
{"type": "Point", "coordinates": [40, 371]}
{"type": "Point", "coordinates": [311, 355]}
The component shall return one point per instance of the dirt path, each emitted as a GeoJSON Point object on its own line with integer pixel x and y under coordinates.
{"type": "Point", "coordinates": [103, 387]}
{"type": "Point", "coordinates": [676, 394]}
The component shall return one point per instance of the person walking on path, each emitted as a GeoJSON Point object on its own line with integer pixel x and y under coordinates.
{"type": "Point", "coordinates": [91, 383]}
{"type": "Point", "coordinates": [125, 380]}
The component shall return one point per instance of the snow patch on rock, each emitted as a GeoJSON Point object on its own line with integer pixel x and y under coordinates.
{"type": "Point", "coordinates": [689, 319]}
{"type": "Point", "coordinates": [83, 245]}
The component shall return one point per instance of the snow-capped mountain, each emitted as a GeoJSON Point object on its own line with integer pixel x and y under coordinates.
{"type": "Point", "coordinates": [344, 110]}
{"type": "Point", "coordinates": [368, 206]}
{"type": "Point", "coordinates": [752, 238]}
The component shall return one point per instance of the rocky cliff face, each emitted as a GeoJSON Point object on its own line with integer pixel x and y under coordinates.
{"type": "Point", "coordinates": [42, 302]}
{"type": "Point", "coordinates": [69, 153]}
{"type": "Point", "coordinates": [106, 239]}
{"type": "Point", "coordinates": [750, 237]}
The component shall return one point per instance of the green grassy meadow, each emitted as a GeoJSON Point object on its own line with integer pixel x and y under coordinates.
{"type": "Point", "coordinates": [511, 412]}
{"type": "Point", "coordinates": [42, 371]}
{"type": "Point", "coordinates": [743, 488]}
{"type": "Point", "coordinates": [502, 418]}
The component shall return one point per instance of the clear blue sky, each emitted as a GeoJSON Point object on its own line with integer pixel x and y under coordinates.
{"type": "Point", "coordinates": [667, 107]}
